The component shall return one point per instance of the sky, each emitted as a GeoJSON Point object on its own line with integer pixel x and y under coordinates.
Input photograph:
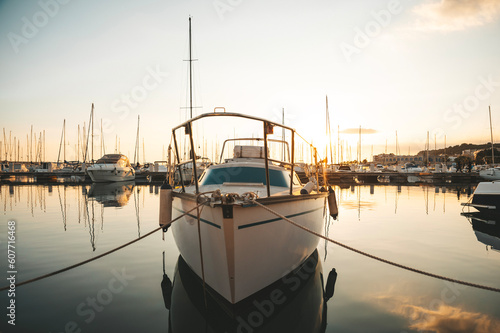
{"type": "Point", "coordinates": [405, 66]}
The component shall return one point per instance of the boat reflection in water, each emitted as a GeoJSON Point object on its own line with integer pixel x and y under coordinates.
{"type": "Point", "coordinates": [295, 303]}
{"type": "Point", "coordinates": [115, 194]}
{"type": "Point", "coordinates": [486, 228]}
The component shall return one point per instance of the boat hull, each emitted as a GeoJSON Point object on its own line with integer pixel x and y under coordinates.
{"type": "Point", "coordinates": [486, 197]}
{"type": "Point", "coordinates": [490, 174]}
{"type": "Point", "coordinates": [245, 247]}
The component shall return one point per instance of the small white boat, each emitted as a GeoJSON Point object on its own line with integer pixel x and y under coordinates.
{"type": "Point", "coordinates": [111, 168]}
{"type": "Point", "coordinates": [486, 197]}
{"type": "Point", "coordinates": [236, 246]}
{"type": "Point", "coordinates": [187, 170]}
{"type": "Point", "coordinates": [490, 174]}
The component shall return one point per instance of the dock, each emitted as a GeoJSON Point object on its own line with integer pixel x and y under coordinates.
{"type": "Point", "coordinates": [333, 178]}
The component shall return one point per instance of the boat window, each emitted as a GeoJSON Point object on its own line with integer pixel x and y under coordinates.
{"type": "Point", "coordinates": [245, 175]}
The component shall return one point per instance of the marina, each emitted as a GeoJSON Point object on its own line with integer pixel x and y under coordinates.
{"type": "Point", "coordinates": [157, 177]}
{"type": "Point", "coordinates": [319, 169]}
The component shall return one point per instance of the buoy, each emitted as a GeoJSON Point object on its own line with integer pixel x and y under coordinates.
{"type": "Point", "coordinates": [332, 203]}
{"type": "Point", "coordinates": [165, 205]}
{"type": "Point", "coordinates": [330, 284]}
{"type": "Point", "coordinates": [307, 188]}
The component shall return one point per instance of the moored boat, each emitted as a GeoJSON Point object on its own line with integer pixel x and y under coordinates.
{"type": "Point", "coordinates": [111, 168]}
{"type": "Point", "coordinates": [486, 197]}
{"type": "Point", "coordinates": [490, 173]}
{"type": "Point", "coordinates": [235, 245]}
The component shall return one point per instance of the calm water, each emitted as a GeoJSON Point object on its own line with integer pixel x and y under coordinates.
{"type": "Point", "coordinates": [416, 226]}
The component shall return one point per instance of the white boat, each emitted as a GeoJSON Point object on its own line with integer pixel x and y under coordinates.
{"type": "Point", "coordinates": [486, 198]}
{"type": "Point", "coordinates": [411, 168]}
{"type": "Point", "coordinates": [490, 174]}
{"type": "Point", "coordinates": [187, 170]}
{"type": "Point", "coordinates": [111, 168]}
{"type": "Point", "coordinates": [236, 246]}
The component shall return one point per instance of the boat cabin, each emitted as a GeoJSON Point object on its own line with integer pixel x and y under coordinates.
{"type": "Point", "coordinates": [119, 159]}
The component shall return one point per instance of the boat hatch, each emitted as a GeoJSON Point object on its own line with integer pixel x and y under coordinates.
{"type": "Point", "coordinates": [249, 151]}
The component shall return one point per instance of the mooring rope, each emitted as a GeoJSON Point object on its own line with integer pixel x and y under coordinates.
{"type": "Point", "coordinates": [373, 256]}
{"type": "Point", "coordinates": [103, 254]}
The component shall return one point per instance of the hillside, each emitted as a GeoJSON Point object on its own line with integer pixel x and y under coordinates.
{"type": "Point", "coordinates": [457, 150]}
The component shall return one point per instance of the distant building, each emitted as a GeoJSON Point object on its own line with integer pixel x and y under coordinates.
{"type": "Point", "coordinates": [388, 159]}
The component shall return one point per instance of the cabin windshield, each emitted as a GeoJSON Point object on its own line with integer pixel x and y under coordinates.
{"type": "Point", "coordinates": [218, 176]}
{"type": "Point", "coordinates": [114, 159]}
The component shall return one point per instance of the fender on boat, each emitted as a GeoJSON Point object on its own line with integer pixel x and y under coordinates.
{"type": "Point", "coordinates": [307, 188]}
{"type": "Point", "coordinates": [332, 203]}
{"type": "Point", "coordinates": [165, 204]}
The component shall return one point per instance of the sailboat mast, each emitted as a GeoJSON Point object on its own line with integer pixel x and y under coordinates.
{"type": "Point", "coordinates": [136, 152]}
{"type": "Point", "coordinates": [64, 141]}
{"type": "Point", "coordinates": [359, 160]}
{"type": "Point", "coordinates": [103, 147]}
{"type": "Point", "coordinates": [329, 130]}
{"type": "Point", "coordinates": [491, 134]}
{"type": "Point", "coordinates": [92, 139]}
{"type": "Point", "coordinates": [190, 74]}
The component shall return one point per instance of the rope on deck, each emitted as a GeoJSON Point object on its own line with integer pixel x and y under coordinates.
{"type": "Point", "coordinates": [373, 256]}
{"type": "Point", "coordinates": [103, 254]}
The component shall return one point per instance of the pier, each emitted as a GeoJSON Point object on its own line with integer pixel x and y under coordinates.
{"type": "Point", "coordinates": [333, 178]}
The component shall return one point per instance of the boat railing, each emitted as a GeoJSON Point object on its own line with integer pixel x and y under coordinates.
{"type": "Point", "coordinates": [268, 128]}
{"type": "Point", "coordinates": [258, 140]}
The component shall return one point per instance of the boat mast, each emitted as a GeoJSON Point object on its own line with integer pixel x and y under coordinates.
{"type": "Point", "coordinates": [136, 152]}
{"type": "Point", "coordinates": [103, 149]}
{"type": "Point", "coordinates": [329, 131]}
{"type": "Point", "coordinates": [64, 141]}
{"type": "Point", "coordinates": [359, 160]}
{"type": "Point", "coordinates": [92, 139]}
{"type": "Point", "coordinates": [190, 74]}
{"type": "Point", "coordinates": [491, 134]}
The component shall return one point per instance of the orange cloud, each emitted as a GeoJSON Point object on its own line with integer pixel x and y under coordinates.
{"type": "Point", "coordinates": [444, 319]}
{"type": "Point", "coordinates": [454, 15]}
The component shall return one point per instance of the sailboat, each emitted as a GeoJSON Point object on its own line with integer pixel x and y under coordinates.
{"type": "Point", "coordinates": [492, 173]}
{"type": "Point", "coordinates": [234, 242]}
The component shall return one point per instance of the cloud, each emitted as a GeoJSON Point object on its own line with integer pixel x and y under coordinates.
{"type": "Point", "coordinates": [455, 15]}
{"type": "Point", "coordinates": [356, 131]}
{"type": "Point", "coordinates": [438, 317]}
